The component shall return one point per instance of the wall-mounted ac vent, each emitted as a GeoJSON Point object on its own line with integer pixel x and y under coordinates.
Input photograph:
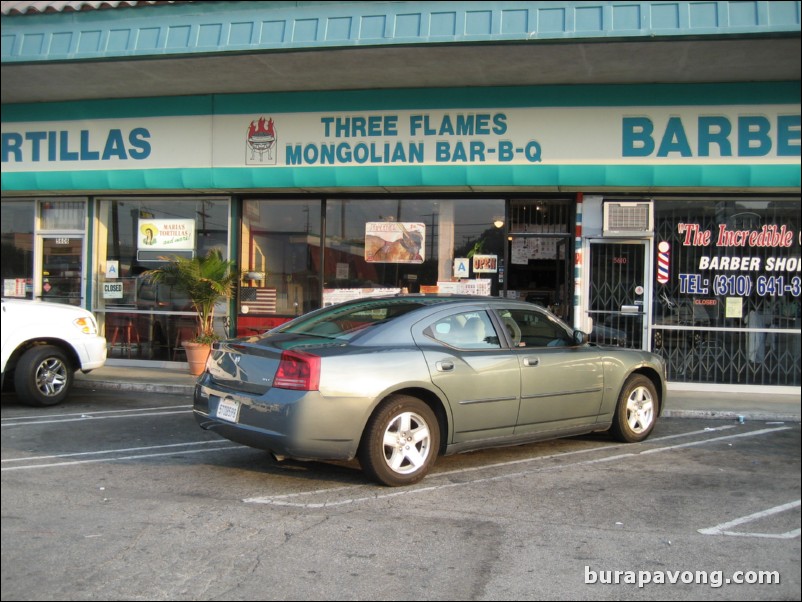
{"type": "Point", "coordinates": [628, 219]}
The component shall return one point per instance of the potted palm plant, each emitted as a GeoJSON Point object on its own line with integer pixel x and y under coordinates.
{"type": "Point", "coordinates": [205, 280]}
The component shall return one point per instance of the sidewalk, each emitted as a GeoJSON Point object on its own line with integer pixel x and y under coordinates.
{"type": "Point", "coordinates": [680, 404]}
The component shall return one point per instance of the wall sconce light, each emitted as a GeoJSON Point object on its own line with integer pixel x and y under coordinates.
{"type": "Point", "coordinates": [254, 275]}
{"type": "Point", "coordinates": [498, 222]}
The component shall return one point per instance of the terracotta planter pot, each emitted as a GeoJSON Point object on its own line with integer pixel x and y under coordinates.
{"type": "Point", "coordinates": [197, 354]}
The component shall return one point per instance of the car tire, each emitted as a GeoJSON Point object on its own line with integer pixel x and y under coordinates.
{"type": "Point", "coordinates": [43, 376]}
{"type": "Point", "coordinates": [400, 442]}
{"type": "Point", "coordinates": [637, 410]}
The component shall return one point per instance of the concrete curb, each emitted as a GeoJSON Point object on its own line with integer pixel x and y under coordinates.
{"type": "Point", "coordinates": [731, 415]}
{"type": "Point", "coordinates": [106, 385]}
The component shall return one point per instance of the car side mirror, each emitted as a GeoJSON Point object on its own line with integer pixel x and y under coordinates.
{"type": "Point", "coordinates": [580, 338]}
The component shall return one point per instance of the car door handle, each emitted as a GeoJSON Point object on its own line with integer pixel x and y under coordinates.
{"type": "Point", "coordinates": [445, 366]}
{"type": "Point", "coordinates": [531, 361]}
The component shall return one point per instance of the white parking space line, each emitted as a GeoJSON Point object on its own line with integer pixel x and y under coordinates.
{"type": "Point", "coordinates": [220, 446]}
{"type": "Point", "coordinates": [106, 414]}
{"type": "Point", "coordinates": [725, 528]}
{"type": "Point", "coordinates": [585, 451]}
{"type": "Point", "coordinates": [736, 436]}
{"type": "Point", "coordinates": [288, 499]}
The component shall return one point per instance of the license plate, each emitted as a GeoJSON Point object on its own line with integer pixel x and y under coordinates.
{"type": "Point", "coordinates": [228, 409]}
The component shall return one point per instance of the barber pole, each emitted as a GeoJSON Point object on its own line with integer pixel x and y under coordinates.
{"type": "Point", "coordinates": [662, 262]}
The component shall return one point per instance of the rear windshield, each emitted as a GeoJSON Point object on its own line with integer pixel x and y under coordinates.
{"type": "Point", "coordinates": [344, 321]}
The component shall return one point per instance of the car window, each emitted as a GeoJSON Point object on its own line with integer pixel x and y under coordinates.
{"type": "Point", "coordinates": [534, 328]}
{"type": "Point", "coordinates": [466, 330]}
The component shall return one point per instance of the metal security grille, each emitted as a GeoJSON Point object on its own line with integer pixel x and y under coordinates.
{"type": "Point", "coordinates": [617, 293]}
{"type": "Point", "coordinates": [540, 216]}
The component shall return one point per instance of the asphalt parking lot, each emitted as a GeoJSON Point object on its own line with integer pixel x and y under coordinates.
{"type": "Point", "coordinates": [114, 496]}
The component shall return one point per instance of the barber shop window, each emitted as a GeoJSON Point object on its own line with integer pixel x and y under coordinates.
{"type": "Point", "coordinates": [729, 310]}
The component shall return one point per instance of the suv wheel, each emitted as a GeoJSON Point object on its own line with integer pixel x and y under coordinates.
{"type": "Point", "coordinates": [43, 376]}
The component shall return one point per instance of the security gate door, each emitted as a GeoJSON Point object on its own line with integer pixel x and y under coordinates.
{"type": "Point", "coordinates": [620, 291]}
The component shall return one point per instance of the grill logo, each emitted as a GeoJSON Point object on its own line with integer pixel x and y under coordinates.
{"type": "Point", "coordinates": [260, 142]}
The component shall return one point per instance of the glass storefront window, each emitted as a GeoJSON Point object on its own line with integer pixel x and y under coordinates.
{"type": "Point", "coordinates": [62, 215]}
{"type": "Point", "coordinates": [406, 244]}
{"type": "Point", "coordinates": [280, 240]}
{"type": "Point", "coordinates": [370, 246]}
{"type": "Point", "coordinates": [360, 258]}
{"type": "Point", "coordinates": [540, 250]}
{"type": "Point", "coordinates": [143, 320]}
{"type": "Point", "coordinates": [16, 221]}
{"type": "Point", "coordinates": [727, 306]}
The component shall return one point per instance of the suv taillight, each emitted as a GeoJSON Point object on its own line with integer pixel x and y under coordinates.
{"type": "Point", "coordinates": [298, 370]}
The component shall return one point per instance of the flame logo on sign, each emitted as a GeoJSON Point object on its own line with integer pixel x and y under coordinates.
{"type": "Point", "coordinates": [261, 142]}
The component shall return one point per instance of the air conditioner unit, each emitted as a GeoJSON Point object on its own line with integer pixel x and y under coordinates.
{"type": "Point", "coordinates": [628, 219]}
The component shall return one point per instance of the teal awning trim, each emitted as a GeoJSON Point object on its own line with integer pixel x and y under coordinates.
{"type": "Point", "coordinates": [399, 177]}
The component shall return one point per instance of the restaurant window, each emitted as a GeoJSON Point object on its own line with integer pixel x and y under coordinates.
{"type": "Point", "coordinates": [370, 247]}
{"type": "Point", "coordinates": [381, 246]}
{"type": "Point", "coordinates": [17, 221]}
{"type": "Point", "coordinates": [541, 253]}
{"type": "Point", "coordinates": [280, 241]}
{"type": "Point", "coordinates": [143, 320]}
{"type": "Point", "coordinates": [727, 295]}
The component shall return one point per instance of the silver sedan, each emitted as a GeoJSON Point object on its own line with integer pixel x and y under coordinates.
{"type": "Point", "coordinates": [397, 381]}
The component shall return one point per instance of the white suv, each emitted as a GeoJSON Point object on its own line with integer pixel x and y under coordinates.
{"type": "Point", "coordinates": [43, 344]}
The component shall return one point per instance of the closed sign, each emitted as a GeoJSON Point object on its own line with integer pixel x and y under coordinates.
{"type": "Point", "coordinates": [112, 290]}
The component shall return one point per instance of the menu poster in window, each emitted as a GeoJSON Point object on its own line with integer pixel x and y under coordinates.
{"type": "Point", "coordinates": [479, 286]}
{"type": "Point", "coordinates": [520, 252]}
{"type": "Point", "coordinates": [395, 242]}
{"type": "Point", "coordinates": [14, 287]}
{"type": "Point", "coordinates": [534, 247]}
{"type": "Point", "coordinates": [332, 296]}
{"type": "Point", "coordinates": [166, 234]}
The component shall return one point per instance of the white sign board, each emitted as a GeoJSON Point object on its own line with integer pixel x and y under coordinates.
{"type": "Point", "coordinates": [462, 267]}
{"type": "Point", "coordinates": [113, 290]}
{"type": "Point", "coordinates": [166, 234]}
{"type": "Point", "coordinates": [112, 269]}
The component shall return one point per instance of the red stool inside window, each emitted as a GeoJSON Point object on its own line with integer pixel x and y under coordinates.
{"type": "Point", "coordinates": [183, 332]}
{"type": "Point", "coordinates": [124, 330]}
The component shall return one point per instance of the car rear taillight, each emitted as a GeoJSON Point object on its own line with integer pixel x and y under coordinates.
{"type": "Point", "coordinates": [298, 370]}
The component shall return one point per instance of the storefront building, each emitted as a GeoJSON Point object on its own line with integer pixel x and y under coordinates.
{"type": "Point", "coordinates": [662, 216]}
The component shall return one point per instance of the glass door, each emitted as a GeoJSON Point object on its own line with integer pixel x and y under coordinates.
{"type": "Point", "coordinates": [62, 273]}
{"type": "Point", "coordinates": [620, 291]}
